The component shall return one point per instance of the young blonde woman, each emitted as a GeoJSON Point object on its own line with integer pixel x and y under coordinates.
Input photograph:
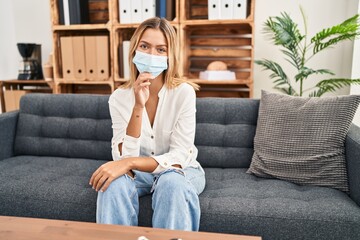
{"type": "Point", "coordinates": [153, 120]}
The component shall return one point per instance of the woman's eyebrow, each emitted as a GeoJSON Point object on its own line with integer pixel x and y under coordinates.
{"type": "Point", "coordinates": [159, 45]}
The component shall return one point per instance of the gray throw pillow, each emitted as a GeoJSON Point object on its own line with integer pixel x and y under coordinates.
{"type": "Point", "coordinates": [302, 140]}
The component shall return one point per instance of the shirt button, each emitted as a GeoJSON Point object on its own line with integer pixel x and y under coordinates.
{"type": "Point", "coordinates": [152, 153]}
{"type": "Point", "coordinates": [152, 137]}
{"type": "Point", "coordinates": [165, 163]}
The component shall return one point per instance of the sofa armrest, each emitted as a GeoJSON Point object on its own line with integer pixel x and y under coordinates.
{"type": "Point", "coordinates": [352, 146]}
{"type": "Point", "coordinates": [8, 123]}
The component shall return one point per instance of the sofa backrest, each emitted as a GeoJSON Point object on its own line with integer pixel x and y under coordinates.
{"type": "Point", "coordinates": [66, 125]}
{"type": "Point", "coordinates": [79, 126]}
{"type": "Point", "coordinates": [225, 131]}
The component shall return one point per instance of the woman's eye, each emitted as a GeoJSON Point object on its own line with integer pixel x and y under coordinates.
{"type": "Point", "coordinates": [143, 46]}
{"type": "Point", "coordinates": [162, 50]}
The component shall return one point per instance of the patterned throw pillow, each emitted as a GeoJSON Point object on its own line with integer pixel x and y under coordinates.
{"type": "Point", "coordinates": [302, 140]}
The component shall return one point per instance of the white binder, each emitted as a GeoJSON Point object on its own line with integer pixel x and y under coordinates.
{"type": "Point", "coordinates": [66, 12]}
{"type": "Point", "coordinates": [226, 9]}
{"type": "Point", "coordinates": [136, 11]}
{"type": "Point", "coordinates": [124, 11]}
{"type": "Point", "coordinates": [148, 9]}
{"type": "Point", "coordinates": [214, 9]}
{"type": "Point", "coordinates": [240, 9]}
{"type": "Point", "coordinates": [126, 67]}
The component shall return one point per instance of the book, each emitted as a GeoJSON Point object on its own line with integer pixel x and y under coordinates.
{"type": "Point", "coordinates": [61, 11]}
{"type": "Point", "coordinates": [79, 11]}
{"type": "Point", "coordinates": [66, 12]}
{"type": "Point", "coordinates": [161, 8]}
{"type": "Point", "coordinates": [126, 67]}
{"type": "Point", "coordinates": [170, 10]}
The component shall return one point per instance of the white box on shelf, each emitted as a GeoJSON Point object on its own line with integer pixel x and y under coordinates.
{"type": "Point", "coordinates": [227, 9]}
{"type": "Point", "coordinates": [217, 75]}
{"type": "Point", "coordinates": [124, 11]}
{"type": "Point", "coordinates": [148, 9]}
{"type": "Point", "coordinates": [136, 11]}
{"type": "Point", "coordinates": [214, 9]}
{"type": "Point", "coordinates": [240, 9]}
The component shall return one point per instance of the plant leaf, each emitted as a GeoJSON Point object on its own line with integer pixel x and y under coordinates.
{"type": "Point", "coordinates": [284, 32]}
{"type": "Point", "coordinates": [278, 75]}
{"type": "Point", "coordinates": [331, 85]}
{"type": "Point", "coordinates": [305, 72]}
{"type": "Point", "coordinates": [347, 30]}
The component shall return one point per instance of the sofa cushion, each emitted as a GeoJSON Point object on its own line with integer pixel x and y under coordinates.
{"type": "Point", "coordinates": [48, 187]}
{"type": "Point", "coordinates": [225, 130]}
{"type": "Point", "coordinates": [69, 125]}
{"type": "Point", "coordinates": [302, 139]}
{"type": "Point", "coordinates": [236, 202]}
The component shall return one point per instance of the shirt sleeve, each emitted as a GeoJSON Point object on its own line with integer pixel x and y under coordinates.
{"type": "Point", "coordinates": [120, 118]}
{"type": "Point", "coordinates": [182, 137]}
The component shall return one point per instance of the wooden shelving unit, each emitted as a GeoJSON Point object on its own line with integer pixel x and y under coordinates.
{"type": "Point", "coordinates": [201, 42]}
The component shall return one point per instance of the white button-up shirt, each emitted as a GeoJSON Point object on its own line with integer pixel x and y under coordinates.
{"type": "Point", "coordinates": [171, 139]}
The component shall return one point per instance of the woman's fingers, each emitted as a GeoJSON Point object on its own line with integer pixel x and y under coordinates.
{"type": "Point", "coordinates": [101, 182]}
{"type": "Point", "coordinates": [107, 184]}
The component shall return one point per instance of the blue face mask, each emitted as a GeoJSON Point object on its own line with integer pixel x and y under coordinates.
{"type": "Point", "coordinates": [152, 64]}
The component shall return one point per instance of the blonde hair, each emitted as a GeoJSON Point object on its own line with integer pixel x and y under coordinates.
{"type": "Point", "coordinates": [172, 77]}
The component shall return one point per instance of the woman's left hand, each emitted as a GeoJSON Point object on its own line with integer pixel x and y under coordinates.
{"type": "Point", "coordinates": [108, 172]}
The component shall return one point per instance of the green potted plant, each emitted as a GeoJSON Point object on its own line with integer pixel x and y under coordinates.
{"type": "Point", "coordinates": [298, 50]}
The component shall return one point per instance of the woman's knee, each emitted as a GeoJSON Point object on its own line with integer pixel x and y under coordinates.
{"type": "Point", "coordinates": [172, 182]}
{"type": "Point", "coordinates": [121, 184]}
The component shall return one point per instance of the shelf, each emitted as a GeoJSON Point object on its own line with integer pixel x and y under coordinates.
{"type": "Point", "coordinates": [201, 41]}
{"type": "Point", "coordinates": [216, 22]}
{"type": "Point", "coordinates": [63, 81]}
{"type": "Point", "coordinates": [220, 82]}
{"type": "Point", "coordinates": [135, 25]}
{"type": "Point", "coordinates": [121, 80]}
{"type": "Point", "coordinates": [80, 27]}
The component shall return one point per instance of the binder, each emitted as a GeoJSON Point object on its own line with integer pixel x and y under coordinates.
{"type": "Point", "coordinates": [79, 57]}
{"type": "Point", "coordinates": [90, 58]}
{"type": "Point", "coordinates": [226, 9]}
{"type": "Point", "coordinates": [170, 9]}
{"type": "Point", "coordinates": [67, 60]}
{"type": "Point", "coordinates": [79, 11]}
{"type": "Point", "coordinates": [102, 56]}
{"type": "Point", "coordinates": [125, 11]}
{"type": "Point", "coordinates": [240, 9]}
{"type": "Point", "coordinates": [148, 9]}
{"type": "Point", "coordinates": [136, 11]}
{"type": "Point", "coordinates": [126, 67]}
{"type": "Point", "coordinates": [61, 11]}
{"type": "Point", "coordinates": [214, 9]}
{"type": "Point", "coordinates": [66, 12]}
{"type": "Point", "coordinates": [161, 8]}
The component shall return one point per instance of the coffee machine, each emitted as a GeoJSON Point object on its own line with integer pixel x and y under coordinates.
{"type": "Point", "coordinates": [30, 67]}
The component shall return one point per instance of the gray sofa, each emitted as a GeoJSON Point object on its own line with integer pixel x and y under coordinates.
{"type": "Point", "coordinates": [50, 148]}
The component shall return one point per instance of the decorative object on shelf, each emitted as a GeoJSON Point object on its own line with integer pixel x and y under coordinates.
{"type": "Point", "coordinates": [298, 51]}
{"type": "Point", "coordinates": [217, 70]}
{"type": "Point", "coordinates": [48, 69]}
{"type": "Point", "coordinates": [30, 66]}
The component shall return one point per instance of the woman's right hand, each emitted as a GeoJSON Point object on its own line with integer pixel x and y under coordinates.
{"type": "Point", "coordinates": [141, 89]}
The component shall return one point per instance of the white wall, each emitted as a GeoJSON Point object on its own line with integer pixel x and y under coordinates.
{"type": "Point", "coordinates": [320, 14]}
{"type": "Point", "coordinates": [355, 89]}
{"type": "Point", "coordinates": [22, 21]}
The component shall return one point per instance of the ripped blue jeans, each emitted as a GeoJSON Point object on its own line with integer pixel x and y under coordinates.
{"type": "Point", "coordinates": [175, 200]}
